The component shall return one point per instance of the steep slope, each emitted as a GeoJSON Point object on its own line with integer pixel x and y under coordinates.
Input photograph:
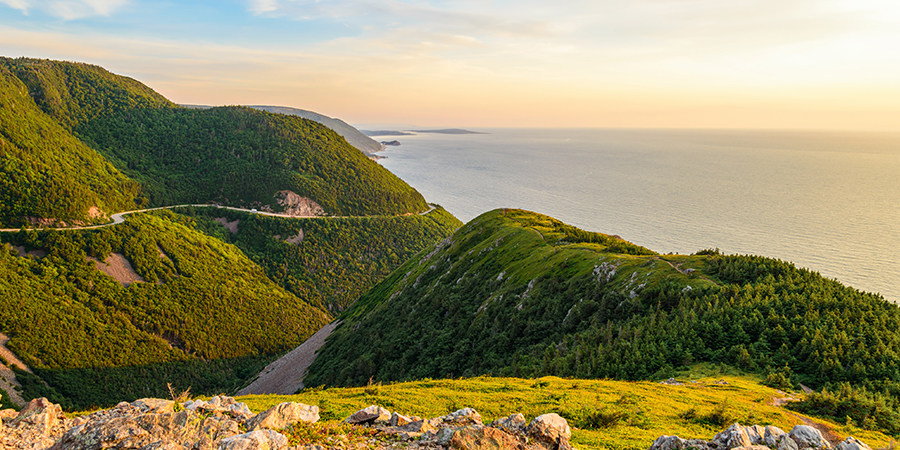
{"type": "Point", "coordinates": [46, 172]}
{"type": "Point", "coordinates": [196, 298]}
{"type": "Point", "coordinates": [356, 138]}
{"type": "Point", "coordinates": [241, 156]}
{"type": "Point", "coordinates": [518, 293]}
{"type": "Point", "coordinates": [74, 93]}
{"type": "Point", "coordinates": [329, 262]}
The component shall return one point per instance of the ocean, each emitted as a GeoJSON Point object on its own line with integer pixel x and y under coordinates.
{"type": "Point", "coordinates": [826, 201]}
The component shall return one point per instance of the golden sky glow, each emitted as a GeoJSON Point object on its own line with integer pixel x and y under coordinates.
{"type": "Point", "coordinates": [819, 64]}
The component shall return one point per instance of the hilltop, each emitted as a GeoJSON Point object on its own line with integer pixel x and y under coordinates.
{"type": "Point", "coordinates": [516, 293]}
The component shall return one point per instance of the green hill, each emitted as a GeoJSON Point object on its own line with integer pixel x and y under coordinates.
{"type": "Point", "coordinates": [154, 152]}
{"type": "Point", "coordinates": [242, 156]}
{"type": "Point", "coordinates": [356, 138]}
{"type": "Point", "coordinates": [515, 293]}
{"type": "Point", "coordinates": [46, 172]}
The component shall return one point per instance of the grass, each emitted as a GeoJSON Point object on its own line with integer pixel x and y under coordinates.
{"type": "Point", "coordinates": [604, 414]}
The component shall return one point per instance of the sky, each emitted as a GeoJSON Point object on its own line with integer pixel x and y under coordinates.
{"type": "Point", "coordinates": [794, 64]}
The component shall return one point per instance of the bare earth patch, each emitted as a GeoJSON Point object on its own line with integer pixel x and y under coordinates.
{"type": "Point", "coordinates": [37, 253]}
{"type": "Point", "coordinates": [8, 380]}
{"type": "Point", "coordinates": [295, 205]}
{"type": "Point", "coordinates": [230, 226]}
{"type": "Point", "coordinates": [118, 267]}
{"type": "Point", "coordinates": [285, 375]}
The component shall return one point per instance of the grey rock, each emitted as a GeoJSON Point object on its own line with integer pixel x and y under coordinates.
{"type": "Point", "coordinates": [154, 405]}
{"type": "Point", "coordinates": [255, 440]}
{"type": "Point", "coordinates": [752, 447]}
{"type": "Point", "coordinates": [370, 414]}
{"type": "Point", "coordinates": [283, 415]}
{"type": "Point", "coordinates": [808, 437]}
{"type": "Point", "coordinates": [444, 435]}
{"type": "Point", "coordinates": [515, 423]}
{"type": "Point", "coordinates": [756, 434]}
{"type": "Point", "coordinates": [733, 437]}
{"type": "Point", "coordinates": [465, 416]}
{"type": "Point", "coordinates": [40, 414]}
{"type": "Point", "coordinates": [772, 436]}
{"type": "Point", "coordinates": [786, 443]}
{"type": "Point", "coordinates": [668, 443]}
{"type": "Point", "coordinates": [398, 420]}
{"type": "Point", "coordinates": [551, 430]}
{"type": "Point", "coordinates": [851, 443]}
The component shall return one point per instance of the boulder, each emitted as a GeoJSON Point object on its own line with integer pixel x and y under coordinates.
{"type": "Point", "coordinates": [465, 416]}
{"type": "Point", "coordinates": [8, 414]}
{"type": "Point", "coordinates": [419, 426]}
{"type": "Point", "coordinates": [786, 443]}
{"type": "Point", "coordinates": [772, 436]}
{"type": "Point", "coordinates": [752, 447]}
{"type": "Point", "coordinates": [668, 443]}
{"type": "Point", "coordinates": [398, 420]}
{"type": "Point", "coordinates": [808, 437]}
{"type": "Point", "coordinates": [40, 414]}
{"type": "Point", "coordinates": [255, 440]}
{"type": "Point", "coordinates": [733, 437]}
{"type": "Point", "coordinates": [756, 434]}
{"type": "Point", "coordinates": [283, 415]}
{"type": "Point", "coordinates": [851, 443]}
{"type": "Point", "coordinates": [484, 438]}
{"type": "Point", "coordinates": [550, 430]}
{"type": "Point", "coordinates": [220, 404]}
{"type": "Point", "coordinates": [369, 415]}
{"type": "Point", "coordinates": [514, 423]}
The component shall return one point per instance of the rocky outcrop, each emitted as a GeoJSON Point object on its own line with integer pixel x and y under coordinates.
{"type": "Point", "coordinates": [295, 205]}
{"type": "Point", "coordinates": [225, 424]}
{"type": "Point", "coordinates": [738, 437]}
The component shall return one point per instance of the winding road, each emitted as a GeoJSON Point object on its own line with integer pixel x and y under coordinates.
{"type": "Point", "coordinates": [118, 218]}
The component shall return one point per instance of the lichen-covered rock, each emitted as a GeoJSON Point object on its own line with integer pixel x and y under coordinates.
{"type": "Point", "coordinates": [154, 405]}
{"type": "Point", "coordinates": [668, 443]}
{"type": "Point", "coordinates": [808, 437]}
{"type": "Point", "coordinates": [733, 437]}
{"type": "Point", "coordinates": [756, 434]}
{"type": "Point", "coordinates": [283, 415]}
{"type": "Point", "coordinates": [370, 415]}
{"type": "Point", "coordinates": [398, 420]}
{"type": "Point", "coordinates": [752, 447]}
{"type": "Point", "coordinates": [786, 443]}
{"type": "Point", "coordinates": [40, 414]}
{"type": "Point", "coordinates": [221, 404]}
{"type": "Point", "coordinates": [851, 443]}
{"type": "Point", "coordinates": [550, 430]}
{"type": "Point", "coordinates": [484, 438]}
{"type": "Point", "coordinates": [465, 416]}
{"type": "Point", "coordinates": [514, 423]}
{"type": "Point", "coordinates": [255, 440]}
{"type": "Point", "coordinates": [772, 435]}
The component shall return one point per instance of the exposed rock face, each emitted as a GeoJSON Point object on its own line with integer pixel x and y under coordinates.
{"type": "Point", "coordinates": [551, 430]}
{"type": "Point", "coordinates": [255, 440]}
{"type": "Point", "coordinates": [283, 415]}
{"type": "Point", "coordinates": [515, 423]}
{"type": "Point", "coordinates": [737, 437]}
{"type": "Point", "coordinates": [295, 205]}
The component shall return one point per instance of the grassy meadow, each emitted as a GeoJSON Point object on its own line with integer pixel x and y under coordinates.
{"type": "Point", "coordinates": [604, 414]}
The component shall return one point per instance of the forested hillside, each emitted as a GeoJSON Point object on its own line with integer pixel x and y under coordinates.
{"type": "Point", "coordinates": [328, 262]}
{"type": "Point", "coordinates": [155, 153]}
{"type": "Point", "coordinates": [242, 156]}
{"type": "Point", "coordinates": [516, 293]}
{"type": "Point", "coordinates": [46, 172]}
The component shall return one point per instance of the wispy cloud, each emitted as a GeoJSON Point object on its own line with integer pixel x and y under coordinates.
{"type": "Point", "coordinates": [67, 9]}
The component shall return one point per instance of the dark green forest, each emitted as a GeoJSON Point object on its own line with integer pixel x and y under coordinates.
{"type": "Point", "coordinates": [337, 260]}
{"type": "Point", "coordinates": [46, 172]}
{"type": "Point", "coordinates": [513, 294]}
{"type": "Point", "coordinates": [242, 156]}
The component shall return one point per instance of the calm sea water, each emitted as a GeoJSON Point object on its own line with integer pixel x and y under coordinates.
{"type": "Point", "coordinates": [829, 202]}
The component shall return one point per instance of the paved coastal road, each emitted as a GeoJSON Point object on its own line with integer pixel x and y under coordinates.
{"type": "Point", "coordinates": [118, 218]}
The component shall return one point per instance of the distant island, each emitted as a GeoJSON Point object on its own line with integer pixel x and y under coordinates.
{"type": "Point", "coordinates": [413, 132]}
{"type": "Point", "coordinates": [385, 133]}
{"type": "Point", "coordinates": [394, 142]}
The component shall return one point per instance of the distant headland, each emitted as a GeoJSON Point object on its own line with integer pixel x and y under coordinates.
{"type": "Point", "coordinates": [413, 132]}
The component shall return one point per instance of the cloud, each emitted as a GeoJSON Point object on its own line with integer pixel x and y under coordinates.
{"type": "Point", "coordinates": [67, 9]}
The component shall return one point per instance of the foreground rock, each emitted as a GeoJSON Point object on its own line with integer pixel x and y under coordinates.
{"type": "Point", "coordinates": [225, 424]}
{"type": "Point", "coordinates": [220, 424]}
{"type": "Point", "coordinates": [738, 437]}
